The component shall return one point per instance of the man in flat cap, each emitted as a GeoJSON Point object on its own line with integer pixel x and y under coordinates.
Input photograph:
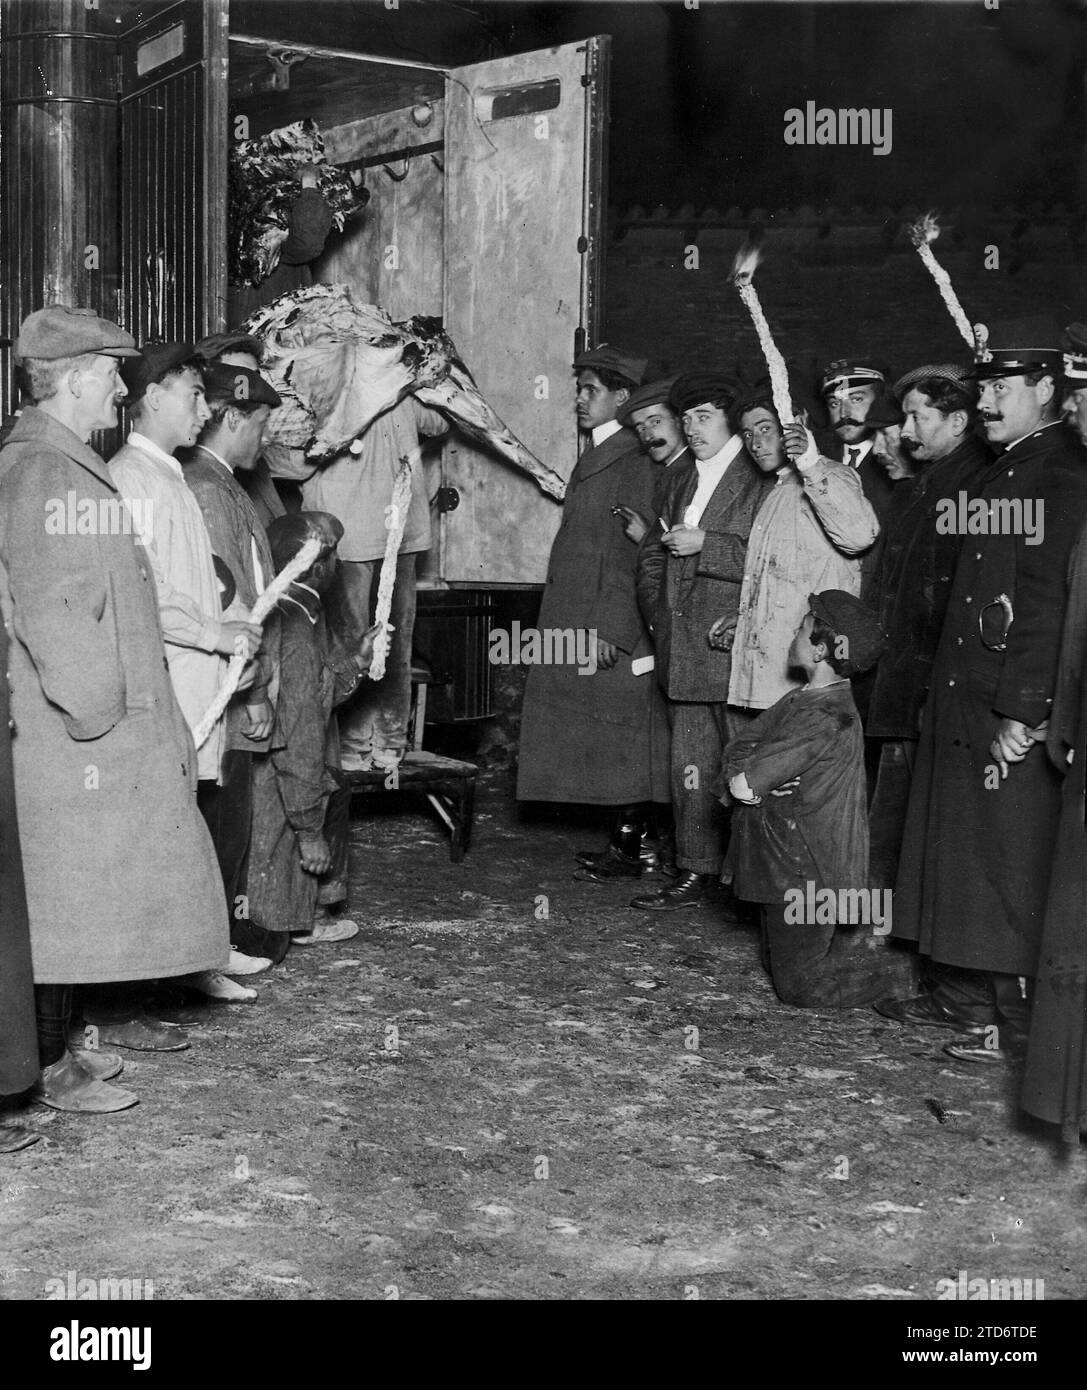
{"type": "Point", "coordinates": [594, 733]}
{"type": "Point", "coordinates": [120, 871]}
{"type": "Point", "coordinates": [690, 572]}
{"type": "Point", "coordinates": [660, 434]}
{"type": "Point", "coordinates": [239, 349]}
{"type": "Point", "coordinates": [911, 583]}
{"type": "Point", "coordinates": [239, 402]}
{"type": "Point", "coordinates": [799, 843]}
{"type": "Point", "coordinates": [984, 803]}
{"type": "Point", "coordinates": [167, 410]}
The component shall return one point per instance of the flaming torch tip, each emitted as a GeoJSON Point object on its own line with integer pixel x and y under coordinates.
{"type": "Point", "coordinates": [925, 230]}
{"type": "Point", "coordinates": [745, 263]}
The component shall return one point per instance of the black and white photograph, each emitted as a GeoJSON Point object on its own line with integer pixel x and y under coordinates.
{"type": "Point", "coordinates": [543, 567]}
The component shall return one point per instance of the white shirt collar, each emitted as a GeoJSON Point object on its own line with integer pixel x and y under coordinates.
{"type": "Point", "coordinates": [722, 458]}
{"type": "Point", "coordinates": [602, 432]}
{"type": "Point", "coordinates": [141, 441]}
{"type": "Point", "coordinates": [865, 447]}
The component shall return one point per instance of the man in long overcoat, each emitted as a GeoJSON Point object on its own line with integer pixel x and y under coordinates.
{"type": "Point", "coordinates": [18, 1040]}
{"type": "Point", "coordinates": [121, 878]}
{"type": "Point", "coordinates": [911, 584]}
{"type": "Point", "coordinates": [984, 804]}
{"type": "Point", "coordinates": [690, 572]}
{"type": "Point", "coordinates": [593, 729]}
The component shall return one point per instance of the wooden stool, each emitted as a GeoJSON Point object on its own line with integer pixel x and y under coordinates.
{"type": "Point", "coordinates": [447, 783]}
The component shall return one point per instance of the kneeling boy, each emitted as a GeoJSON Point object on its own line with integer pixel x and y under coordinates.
{"type": "Point", "coordinates": [797, 776]}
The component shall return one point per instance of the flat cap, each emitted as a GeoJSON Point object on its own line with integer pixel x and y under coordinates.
{"type": "Point", "coordinates": [848, 617]}
{"type": "Point", "coordinates": [613, 359]}
{"type": "Point", "coordinates": [703, 388]}
{"type": "Point", "coordinates": [222, 382]}
{"type": "Point", "coordinates": [959, 377]}
{"type": "Point", "coordinates": [288, 534]}
{"type": "Point", "coordinates": [846, 372]}
{"type": "Point", "coordinates": [653, 393]}
{"type": "Point", "coordinates": [1012, 347]}
{"type": "Point", "coordinates": [884, 412]}
{"type": "Point", "coordinates": [211, 348]}
{"type": "Point", "coordinates": [1075, 352]}
{"type": "Point", "coordinates": [155, 360]}
{"type": "Point", "coordinates": [60, 331]}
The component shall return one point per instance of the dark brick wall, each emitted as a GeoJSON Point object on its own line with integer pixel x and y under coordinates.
{"type": "Point", "coordinates": [832, 294]}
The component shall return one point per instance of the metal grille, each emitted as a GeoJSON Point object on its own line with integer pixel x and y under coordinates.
{"type": "Point", "coordinates": [452, 635]}
{"type": "Point", "coordinates": [162, 212]}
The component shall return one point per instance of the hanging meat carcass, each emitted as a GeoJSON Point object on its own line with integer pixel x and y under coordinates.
{"type": "Point", "coordinates": [338, 364]}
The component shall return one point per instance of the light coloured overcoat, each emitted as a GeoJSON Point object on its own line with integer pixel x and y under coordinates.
{"type": "Point", "coordinates": [121, 877]}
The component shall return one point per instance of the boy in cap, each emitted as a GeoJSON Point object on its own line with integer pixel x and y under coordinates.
{"type": "Point", "coordinates": [120, 872]}
{"type": "Point", "coordinates": [167, 410]}
{"type": "Point", "coordinates": [799, 826]}
{"type": "Point", "coordinates": [594, 733]}
{"type": "Point", "coordinates": [298, 865]}
{"type": "Point", "coordinates": [985, 799]}
{"type": "Point", "coordinates": [239, 402]}
{"type": "Point", "coordinates": [239, 349]}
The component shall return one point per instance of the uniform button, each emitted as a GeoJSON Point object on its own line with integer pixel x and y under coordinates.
{"type": "Point", "coordinates": [951, 682]}
{"type": "Point", "coordinates": [969, 599]}
{"type": "Point", "coordinates": [959, 640]}
{"type": "Point", "coordinates": [978, 555]}
{"type": "Point", "coordinates": [11, 725]}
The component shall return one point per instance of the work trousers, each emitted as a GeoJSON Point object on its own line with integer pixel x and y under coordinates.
{"type": "Point", "coordinates": [825, 966]}
{"type": "Point", "coordinates": [374, 722]}
{"type": "Point", "coordinates": [699, 734]}
{"type": "Point", "coordinates": [887, 813]}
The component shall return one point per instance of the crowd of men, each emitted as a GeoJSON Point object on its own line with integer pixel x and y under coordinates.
{"type": "Point", "coordinates": [840, 681]}
{"type": "Point", "coordinates": [837, 687]}
{"type": "Point", "coordinates": [150, 833]}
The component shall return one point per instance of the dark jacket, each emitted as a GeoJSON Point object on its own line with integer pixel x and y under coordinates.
{"type": "Point", "coordinates": [599, 738]}
{"type": "Point", "coordinates": [911, 586]}
{"type": "Point", "coordinates": [234, 526]}
{"type": "Point", "coordinates": [977, 851]}
{"type": "Point", "coordinates": [681, 597]}
{"type": "Point", "coordinates": [819, 834]}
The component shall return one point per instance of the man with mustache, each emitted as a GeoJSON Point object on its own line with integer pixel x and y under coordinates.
{"type": "Point", "coordinates": [984, 803]}
{"type": "Point", "coordinates": [850, 387]}
{"type": "Point", "coordinates": [911, 585]}
{"type": "Point", "coordinates": [660, 434]}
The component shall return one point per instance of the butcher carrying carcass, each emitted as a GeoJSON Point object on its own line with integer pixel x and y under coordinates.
{"type": "Point", "coordinates": [358, 392]}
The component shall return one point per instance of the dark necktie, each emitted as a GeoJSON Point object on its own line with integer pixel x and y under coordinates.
{"type": "Point", "coordinates": [853, 455]}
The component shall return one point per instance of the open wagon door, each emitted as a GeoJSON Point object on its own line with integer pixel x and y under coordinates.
{"type": "Point", "coordinates": [525, 154]}
{"type": "Point", "coordinates": [173, 180]}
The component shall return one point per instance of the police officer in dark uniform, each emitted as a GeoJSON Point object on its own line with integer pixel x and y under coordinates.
{"type": "Point", "coordinates": [985, 798]}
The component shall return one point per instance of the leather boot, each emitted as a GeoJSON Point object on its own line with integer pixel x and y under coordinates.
{"type": "Point", "coordinates": [16, 1137]}
{"type": "Point", "coordinates": [688, 890]}
{"type": "Point", "coordinates": [103, 1066]}
{"type": "Point", "coordinates": [626, 840]}
{"type": "Point", "coordinates": [609, 866]}
{"type": "Point", "coordinates": [66, 1086]}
